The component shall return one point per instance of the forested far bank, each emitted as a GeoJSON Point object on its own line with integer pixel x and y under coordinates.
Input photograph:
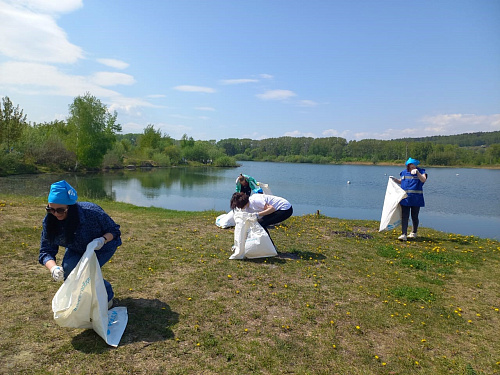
{"type": "Point", "coordinates": [90, 139]}
{"type": "Point", "coordinates": [472, 149]}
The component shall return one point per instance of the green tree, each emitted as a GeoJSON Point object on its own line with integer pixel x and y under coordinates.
{"type": "Point", "coordinates": [151, 138]}
{"type": "Point", "coordinates": [92, 129]}
{"type": "Point", "coordinates": [12, 123]}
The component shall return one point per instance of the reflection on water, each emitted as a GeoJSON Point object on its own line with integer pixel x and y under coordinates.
{"type": "Point", "coordinates": [455, 201]}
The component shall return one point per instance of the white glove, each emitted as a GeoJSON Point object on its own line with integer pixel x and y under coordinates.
{"type": "Point", "coordinates": [57, 273]}
{"type": "Point", "coordinates": [254, 215]}
{"type": "Point", "coordinates": [414, 171]}
{"type": "Point", "coordinates": [100, 243]}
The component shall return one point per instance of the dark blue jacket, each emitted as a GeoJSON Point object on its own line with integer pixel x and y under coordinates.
{"type": "Point", "coordinates": [413, 187]}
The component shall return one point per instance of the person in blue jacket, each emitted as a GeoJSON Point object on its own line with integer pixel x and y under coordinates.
{"type": "Point", "coordinates": [74, 225]}
{"type": "Point", "coordinates": [412, 181]}
{"type": "Point", "coordinates": [247, 184]}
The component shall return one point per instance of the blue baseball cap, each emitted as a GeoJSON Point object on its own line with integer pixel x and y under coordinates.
{"type": "Point", "coordinates": [415, 162]}
{"type": "Point", "coordinates": [62, 193]}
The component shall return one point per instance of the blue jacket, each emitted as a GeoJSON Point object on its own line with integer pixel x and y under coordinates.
{"type": "Point", "coordinates": [94, 222]}
{"type": "Point", "coordinates": [413, 187]}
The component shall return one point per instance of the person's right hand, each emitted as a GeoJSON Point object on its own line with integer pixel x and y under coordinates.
{"type": "Point", "coordinates": [57, 273]}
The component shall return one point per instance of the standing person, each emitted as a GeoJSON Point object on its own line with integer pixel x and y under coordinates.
{"type": "Point", "coordinates": [412, 181]}
{"type": "Point", "coordinates": [247, 184]}
{"type": "Point", "coordinates": [270, 209]}
{"type": "Point", "coordinates": [74, 225]}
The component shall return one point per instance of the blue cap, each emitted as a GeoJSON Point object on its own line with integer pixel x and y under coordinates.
{"type": "Point", "coordinates": [415, 162]}
{"type": "Point", "coordinates": [62, 193]}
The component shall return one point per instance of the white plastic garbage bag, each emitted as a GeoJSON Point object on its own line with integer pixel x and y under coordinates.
{"type": "Point", "coordinates": [265, 188]}
{"type": "Point", "coordinates": [391, 212]}
{"type": "Point", "coordinates": [250, 239]}
{"type": "Point", "coordinates": [225, 220]}
{"type": "Point", "coordinates": [82, 301]}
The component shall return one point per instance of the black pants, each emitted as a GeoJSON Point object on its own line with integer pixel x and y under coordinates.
{"type": "Point", "coordinates": [405, 217]}
{"type": "Point", "coordinates": [274, 218]}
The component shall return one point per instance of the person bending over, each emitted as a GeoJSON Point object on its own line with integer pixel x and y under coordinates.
{"type": "Point", "coordinates": [74, 225]}
{"type": "Point", "coordinates": [270, 209]}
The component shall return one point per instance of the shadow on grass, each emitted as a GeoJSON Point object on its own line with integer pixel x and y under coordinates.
{"type": "Point", "coordinates": [149, 320]}
{"type": "Point", "coordinates": [292, 255]}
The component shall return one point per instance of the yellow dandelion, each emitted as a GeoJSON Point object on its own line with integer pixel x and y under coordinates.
{"type": "Point", "coordinates": [229, 276]}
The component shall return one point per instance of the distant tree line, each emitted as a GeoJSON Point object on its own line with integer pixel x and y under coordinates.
{"type": "Point", "coordinates": [472, 149]}
{"type": "Point", "coordinates": [89, 140]}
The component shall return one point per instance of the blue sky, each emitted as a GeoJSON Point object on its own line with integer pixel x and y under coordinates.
{"type": "Point", "coordinates": [215, 69]}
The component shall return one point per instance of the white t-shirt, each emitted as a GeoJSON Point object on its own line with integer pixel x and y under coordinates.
{"type": "Point", "coordinates": [257, 202]}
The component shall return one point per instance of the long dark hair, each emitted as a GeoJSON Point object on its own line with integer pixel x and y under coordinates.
{"type": "Point", "coordinates": [239, 200]}
{"type": "Point", "coordinates": [72, 221]}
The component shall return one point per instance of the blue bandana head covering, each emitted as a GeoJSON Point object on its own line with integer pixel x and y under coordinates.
{"type": "Point", "coordinates": [415, 162]}
{"type": "Point", "coordinates": [62, 193]}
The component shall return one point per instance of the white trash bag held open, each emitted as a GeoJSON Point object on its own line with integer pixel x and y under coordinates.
{"type": "Point", "coordinates": [82, 301]}
{"type": "Point", "coordinates": [250, 239]}
{"type": "Point", "coordinates": [391, 212]}
{"type": "Point", "coordinates": [225, 220]}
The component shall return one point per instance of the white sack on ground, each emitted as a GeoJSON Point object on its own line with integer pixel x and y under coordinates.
{"type": "Point", "coordinates": [82, 301]}
{"type": "Point", "coordinates": [225, 220]}
{"type": "Point", "coordinates": [250, 239]}
{"type": "Point", "coordinates": [265, 188]}
{"type": "Point", "coordinates": [391, 212]}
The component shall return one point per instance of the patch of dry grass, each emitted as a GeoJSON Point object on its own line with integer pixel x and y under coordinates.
{"type": "Point", "coordinates": [343, 299]}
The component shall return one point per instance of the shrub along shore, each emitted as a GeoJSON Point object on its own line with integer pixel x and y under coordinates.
{"type": "Point", "coordinates": [341, 298]}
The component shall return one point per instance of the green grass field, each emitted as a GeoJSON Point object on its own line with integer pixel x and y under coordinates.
{"type": "Point", "coordinates": [342, 299]}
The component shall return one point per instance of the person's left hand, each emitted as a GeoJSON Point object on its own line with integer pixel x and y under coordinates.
{"type": "Point", "coordinates": [414, 171]}
{"type": "Point", "coordinates": [100, 243]}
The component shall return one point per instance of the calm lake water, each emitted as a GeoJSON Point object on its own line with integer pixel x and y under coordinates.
{"type": "Point", "coordinates": [457, 200]}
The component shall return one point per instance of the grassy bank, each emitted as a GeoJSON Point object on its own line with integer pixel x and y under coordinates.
{"type": "Point", "coordinates": [343, 299]}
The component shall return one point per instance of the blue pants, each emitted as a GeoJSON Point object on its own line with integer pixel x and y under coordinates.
{"type": "Point", "coordinates": [405, 217]}
{"type": "Point", "coordinates": [72, 258]}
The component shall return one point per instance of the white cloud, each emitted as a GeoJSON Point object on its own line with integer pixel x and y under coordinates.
{"type": "Point", "coordinates": [457, 123]}
{"type": "Point", "coordinates": [188, 88]}
{"type": "Point", "coordinates": [205, 109]}
{"type": "Point", "coordinates": [237, 81]}
{"type": "Point", "coordinates": [276, 95]}
{"type": "Point", "coordinates": [266, 76]}
{"type": "Point", "coordinates": [307, 103]}
{"type": "Point", "coordinates": [330, 133]}
{"type": "Point", "coordinates": [129, 105]}
{"type": "Point", "coordinates": [118, 64]}
{"type": "Point", "coordinates": [112, 79]}
{"type": "Point", "coordinates": [297, 133]}
{"type": "Point", "coordinates": [48, 80]}
{"type": "Point", "coordinates": [29, 36]}
{"type": "Point", "coordinates": [52, 6]}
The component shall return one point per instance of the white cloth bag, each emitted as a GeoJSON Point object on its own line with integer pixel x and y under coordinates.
{"type": "Point", "coordinates": [391, 212]}
{"type": "Point", "coordinates": [225, 220]}
{"type": "Point", "coordinates": [82, 301]}
{"type": "Point", "coordinates": [265, 188]}
{"type": "Point", "coordinates": [250, 239]}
